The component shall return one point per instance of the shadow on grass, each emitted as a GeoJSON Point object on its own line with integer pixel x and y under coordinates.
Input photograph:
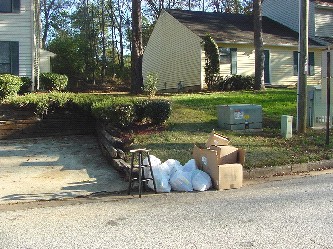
{"type": "Point", "coordinates": [193, 127]}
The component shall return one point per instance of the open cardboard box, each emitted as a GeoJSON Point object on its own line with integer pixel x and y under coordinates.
{"type": "Point", "coordinates": [215, 139]}
{"type": "Point", "coordinates": [224, 164]}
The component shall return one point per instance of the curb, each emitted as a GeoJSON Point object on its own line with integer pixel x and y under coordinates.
{"type": "Point", "coordinates": [287, 169]}
{"type": "Point", "coordinates": [123, 167]}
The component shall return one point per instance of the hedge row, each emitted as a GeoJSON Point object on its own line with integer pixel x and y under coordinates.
{"type": "Point", "coordinates": [233, 83]}
{"type": "Point", "coordinates": [121, 112]}
{"type": "Point", "coordinates": [125, 114]}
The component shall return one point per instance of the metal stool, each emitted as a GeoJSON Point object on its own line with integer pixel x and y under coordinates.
{"type": "Point", "coordinates": [140, 166]}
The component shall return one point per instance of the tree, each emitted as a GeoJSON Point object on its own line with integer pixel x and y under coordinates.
{"type": "Point", "coordinates": [231, 6]}
{"type": "Point", "coordinates": [137, 49]}
{"type": "Point", "coordinates": [212, 65]}
{"type": "Point", "coordinates": [54, 16]}
{"type": "Point", "coordinates": [259, 83]}
{"type": "Point", "coordinates": [68, 60]}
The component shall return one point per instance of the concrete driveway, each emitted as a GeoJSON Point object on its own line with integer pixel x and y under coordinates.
{"type": "Point", "coordinates": [54, 168]}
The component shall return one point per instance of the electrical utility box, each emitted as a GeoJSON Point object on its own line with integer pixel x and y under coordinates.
{"type": "Point", "coordinates": [317, 109]}
{"type": "Point", "coordinates": [239, 117]}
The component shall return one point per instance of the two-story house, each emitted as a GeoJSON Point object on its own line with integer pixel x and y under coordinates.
{"type": "Point", "coordinates": [20, 53]}
{"type": "Point", "coordinates": [320, 17]}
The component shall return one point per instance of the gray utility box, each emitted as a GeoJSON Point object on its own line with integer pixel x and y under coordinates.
{"type": "Point", "coordinates": [317, 114]}
{"type": "Point", "coordinates": [239, 117]}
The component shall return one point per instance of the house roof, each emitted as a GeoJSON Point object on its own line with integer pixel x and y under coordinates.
{"type": "Point", "coordinates": [236, 28]}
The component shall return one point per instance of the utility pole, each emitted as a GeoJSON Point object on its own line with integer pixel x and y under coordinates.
{"type": "Point", "coordinates": [328, 96]}
{"type": "Point", "coordinates": [302, 66]}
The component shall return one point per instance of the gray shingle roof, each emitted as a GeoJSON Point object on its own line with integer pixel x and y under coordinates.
{"type": "Point", "coordinates": [235, 28]}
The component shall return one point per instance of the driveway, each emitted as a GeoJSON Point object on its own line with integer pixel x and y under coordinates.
{"type": "Point", "coordinates": [54, 168]}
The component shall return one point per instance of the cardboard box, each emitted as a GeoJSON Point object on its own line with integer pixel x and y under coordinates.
{"type": "Point", "coordinates": [216, 139]}
{"type": "Point", "coordinates": [224, 164]}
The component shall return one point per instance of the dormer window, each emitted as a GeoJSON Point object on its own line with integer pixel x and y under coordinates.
{"type": "Point", "coordinates": [10, 6]}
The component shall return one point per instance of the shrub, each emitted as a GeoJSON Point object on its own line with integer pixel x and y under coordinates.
{"type": "Point", "coordinates": [26, 86]}
{"type": "Point", "coordinates": [150, 85]}
{"type": "Point", "coordinates": [158, 111]}
{"type": "Point", "coordinates": [120, 115]}
{"type": "Point", "coordinates": [9, 85]}
{"type": "Point", "coordinates": [53, 81]}
{"type": "Point", "coordinates": [140, 109]}
{"type": "Point", "coordinates": [235, 83]}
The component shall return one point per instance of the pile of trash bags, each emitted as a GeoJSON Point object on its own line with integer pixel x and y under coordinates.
{"type": "Point", "coordinates": [171, 175]}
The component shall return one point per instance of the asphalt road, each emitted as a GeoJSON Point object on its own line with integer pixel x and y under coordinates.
{"type": "Point", "coordinates": [293, 213]}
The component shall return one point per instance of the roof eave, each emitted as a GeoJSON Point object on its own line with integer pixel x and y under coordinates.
{"type": "Point", "coordinates": [269, 44]}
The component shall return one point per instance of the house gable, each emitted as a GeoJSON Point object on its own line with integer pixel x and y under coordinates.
{"type": "Point", "coordinates": [173, 53]}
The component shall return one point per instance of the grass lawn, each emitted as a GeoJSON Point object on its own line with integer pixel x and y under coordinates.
{"type": "Point", "coordinates": [194, 116]}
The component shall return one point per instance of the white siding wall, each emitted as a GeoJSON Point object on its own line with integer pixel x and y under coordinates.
{"type": "Point", "coordinates": [287, 13]}
{"type": "Point", "coordinates": [18, 27]}
{"type": "Point", "coordinates": [173, 53]}
{"type": "Point", "coordinates": [324, 22]}
{"type": "Point", "coordinates": [281, 64]}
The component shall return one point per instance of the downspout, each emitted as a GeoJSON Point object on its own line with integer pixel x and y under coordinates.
{"type": "Point", "coordinates": [35, 45]}
{"type": "Point", "coordinates": [37, 37]}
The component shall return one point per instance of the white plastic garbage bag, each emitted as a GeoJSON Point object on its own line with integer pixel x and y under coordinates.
{"type": "Point", "coordinates": [201, 181]}
{"type": "Point", "coordinates": [153, 159]}
{"type": "Point", "coordinates": [174, 166]}
{"type": "Point", "coordinates": [162, 183]}
{"type": "Point", "coordinates": [160, 172]}
{"type": "Point", "coordinates": [155, 162]}
{"type": "Point", "coordinates": [181, 181]}
{"type": "Point", "coordinates": [164, 169]}
{"type": "Point", "coordinates": [190, 166]}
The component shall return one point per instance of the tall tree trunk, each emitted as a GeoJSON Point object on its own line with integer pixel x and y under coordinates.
{"type": "Point", "coordinates": [45, 6]}
{"type": "Point", "coordinates": [120, 27]}
{"type": "Point", "coordinates": [137, 50]}
{"type": "Point", "coordinates": [259, 83]}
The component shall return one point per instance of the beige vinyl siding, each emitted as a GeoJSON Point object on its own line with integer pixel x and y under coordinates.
{"type": "Point", "coordinates": [281, 64]}
{"type": "Point", "coordinates": [245, 60]}
{"type": "Point", "coordinates": [324, 22]}
{"type": "Point", "coordinates": [18, 27]}
{"type": "Point", "coordinates": [173, 53]}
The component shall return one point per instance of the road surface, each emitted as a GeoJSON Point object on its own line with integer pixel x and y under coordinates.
{"type": "Point", "coordinates": [293, 213]}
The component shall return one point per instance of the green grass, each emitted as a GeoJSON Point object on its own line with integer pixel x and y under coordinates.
{"type": "Point", "coordinates": [194, 116]}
